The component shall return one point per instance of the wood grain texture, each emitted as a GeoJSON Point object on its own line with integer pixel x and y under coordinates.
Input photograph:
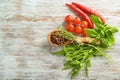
{"type": "Point", "coordinates": [25, 53]}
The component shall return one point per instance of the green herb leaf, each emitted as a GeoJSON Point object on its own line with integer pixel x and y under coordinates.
{"type": "Point", "coordinates": [104, 43]}
{"type": "Point", "coordinates": [95, 19]}
{"type": "Point", "coordinates": [91, 33]}
{"type": "Point", "coordinates": [99, 26]}
{"type": "Point", "coordinates": [110, 37]}
{"type": "Point", "coordinates": [88, 64]}
{"type": "Point", "coordinates": [61, 52]}
{"type": "Point", "coordinates": [113, 29]}
{"type": "Point", "coordinates": [74, 72]}
{"type": "Point", "coordinates": [67, 65]}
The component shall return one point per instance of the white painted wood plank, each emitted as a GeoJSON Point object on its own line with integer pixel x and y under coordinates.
{"type": "Point", "coordinates": [25, 52]}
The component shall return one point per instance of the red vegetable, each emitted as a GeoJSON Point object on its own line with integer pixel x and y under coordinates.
{"type": "Point", "coordinates": [78, 30]}
{"type": "Point", "coordinates": [77, 21]}
{"type": "Point", "coordinates": [80, 12]}
{"type": "Point", "coordinates": [84, 24]}
{"type": "Point", "coordinates": [83, 33]}
{"type": "Point", "coordinates": [68, 19]}
{"type": "Point", "coordinates": [88, 10]}
{"type": "Point", "coordinates": [70, 27]}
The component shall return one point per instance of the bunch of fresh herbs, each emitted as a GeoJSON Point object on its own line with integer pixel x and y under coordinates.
{"type": "Point", "coordinates": [78, 56]}
{"type": "Point", "coordinates": [102, 32]}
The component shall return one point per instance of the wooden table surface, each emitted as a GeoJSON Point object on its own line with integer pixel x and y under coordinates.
{"type": "Point", "coordinates": [25, 53]}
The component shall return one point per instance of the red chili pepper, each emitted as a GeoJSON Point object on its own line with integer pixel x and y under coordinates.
{"type": "Point", "coordinates": [88, 10]}
{"type": "Point", "coordinates": [80, 12]}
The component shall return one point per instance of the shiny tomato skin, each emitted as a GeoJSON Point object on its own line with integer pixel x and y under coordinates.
{"type": "Point", "coordinates": [78, 30]}
{"type": "Point", "coordinates": [70, 27]}
{"type": "Point", "coordinates": [83, 33]}
{"type": "Point", "coordinates": [84, 24]}
{"type": "Point", "coordinates": [77, 21]}
{"type": "Point", "coordinates": [68, 19]}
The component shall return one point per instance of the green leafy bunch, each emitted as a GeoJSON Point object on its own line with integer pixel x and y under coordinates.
{"type": "Point", "coordinates": [79, 56]}
{"type": "Point", "coordinates": [102, 32]}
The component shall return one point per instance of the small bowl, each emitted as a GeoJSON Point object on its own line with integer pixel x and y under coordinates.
{"type": "Point", "coordinates": [49, 39]}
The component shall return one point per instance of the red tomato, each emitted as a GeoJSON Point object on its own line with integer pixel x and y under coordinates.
{"type": "Point", "coordinates": [68, 19]}
{"type": "Point", "coordinates": [84, 24]}
{"type": "Point", "coordinates": [77, 21]}
{"type": "Point", "coordinates": [78, 30]}
{"type": "Point", "coordinates": [83, 33]}
{"type": "Point", "coordinates": [70, 28]}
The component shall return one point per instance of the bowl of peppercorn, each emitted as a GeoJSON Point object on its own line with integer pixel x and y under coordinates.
{"type": "Point", "coordinates": [56, 40]}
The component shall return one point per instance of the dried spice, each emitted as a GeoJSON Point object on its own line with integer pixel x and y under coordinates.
{"type": "Point", "coordinates": [57, 39]}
